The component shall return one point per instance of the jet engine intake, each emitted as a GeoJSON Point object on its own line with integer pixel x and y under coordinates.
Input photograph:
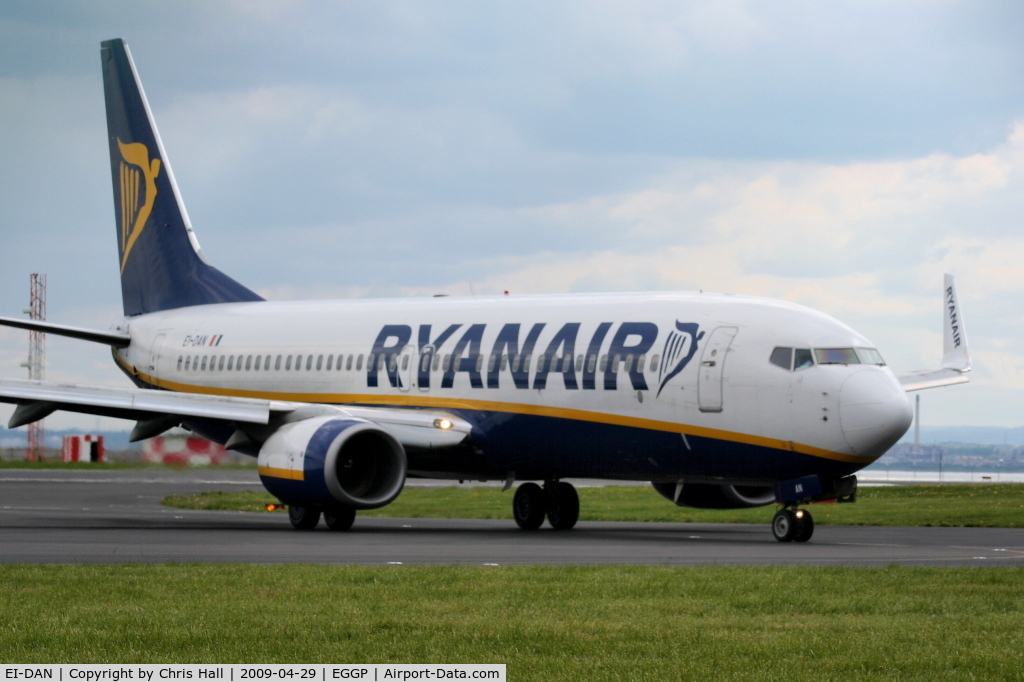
{"type": "Point", "coordinates": [333, 461]}
{"type": "Point", "coordinates": [711, 496]}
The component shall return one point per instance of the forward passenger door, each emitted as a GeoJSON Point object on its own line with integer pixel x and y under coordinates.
{"type": "Point", "coordinates": [712, 366]}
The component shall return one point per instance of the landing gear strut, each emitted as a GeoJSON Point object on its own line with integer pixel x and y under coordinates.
{"type": "Point", "coordinates": [557, 500]}
{"type": "Point", "coordinates": [793, 525]}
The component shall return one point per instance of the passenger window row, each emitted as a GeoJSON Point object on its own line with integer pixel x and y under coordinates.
{"type": "Point", "coordinates": [238, 363]}
{"type": "Point", "coordinates": [518, 363]}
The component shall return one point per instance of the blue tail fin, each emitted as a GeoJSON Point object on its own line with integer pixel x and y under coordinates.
{"type": "Point", "coordinates": [161, 263]}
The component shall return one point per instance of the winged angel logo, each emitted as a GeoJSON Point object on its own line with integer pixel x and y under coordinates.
{"type": "Point", "coordinates": [680, 347]}
{"type": "Point", "coordinates": [138, 193]}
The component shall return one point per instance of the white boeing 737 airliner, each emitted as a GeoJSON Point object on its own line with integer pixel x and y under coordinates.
{"type": "Point", "coordinates": [719, 401]}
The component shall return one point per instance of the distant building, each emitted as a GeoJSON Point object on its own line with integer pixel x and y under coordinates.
{"type": "Point", "coordinates": [85, 448]}
{"type": "Point", "coordinates": [181, 448]}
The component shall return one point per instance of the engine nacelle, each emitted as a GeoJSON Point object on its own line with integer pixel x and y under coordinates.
{"type": "Point", "coordinates": [710, 496]}
{"type": "Point", "coordinates": [333, 461]}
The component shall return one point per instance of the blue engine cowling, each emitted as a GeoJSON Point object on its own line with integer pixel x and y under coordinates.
{"type": "Point", "coordinates": [332, 461]}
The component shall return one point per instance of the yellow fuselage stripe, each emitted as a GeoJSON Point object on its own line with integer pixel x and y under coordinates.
{"type": "Point", "coordinates": [511, 408]}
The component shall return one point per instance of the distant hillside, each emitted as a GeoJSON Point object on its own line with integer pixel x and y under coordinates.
{"type": "Point", "coordinates": [980, 435]}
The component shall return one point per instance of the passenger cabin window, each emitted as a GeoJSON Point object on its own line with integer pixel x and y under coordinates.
{"type": "Point", "coordinates": [836, 356]}
{"type": "Point", "coordinates": [359, 362]}
{"type": "Point", "coordinates": [319, 362]}
{"type": "Point", "coordinates": [180, 360]}
{"type": "Point", "coordinates": [783, 357]}
{"type": "Point", "coordinates": [188, 363]}
{"type": "Point", "coordinates": [802, 359]}
{"type": "Point", "coordinates": [654, 362]}
{"type": "Point", "coordinates": [330, 362]}
{"type": "Point", "coordinates": [220, 364]}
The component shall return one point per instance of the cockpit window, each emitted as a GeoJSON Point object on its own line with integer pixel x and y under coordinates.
{"type": "Point", "coordinates": [870, 356]}
{"type": "Point", "coordinates": [836, 356]}
{"type": "Point", "coordinates": [804, 359]}
{"type": "Point", "coordinates": [782, 357]}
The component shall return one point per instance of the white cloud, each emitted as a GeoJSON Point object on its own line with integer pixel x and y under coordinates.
{"type": "Point", "coordinates": [842, 155]}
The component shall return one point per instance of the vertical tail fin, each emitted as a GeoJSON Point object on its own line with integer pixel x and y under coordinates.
{"type": "Point", "coordinates": [161, 263]}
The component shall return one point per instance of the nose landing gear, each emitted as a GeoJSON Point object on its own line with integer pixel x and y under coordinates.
{"type": "Point", "coordinates": [793, 525]}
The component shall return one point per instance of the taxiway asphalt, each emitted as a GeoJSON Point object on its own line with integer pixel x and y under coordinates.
{"type": "Point", "coordinates": [104, 516]}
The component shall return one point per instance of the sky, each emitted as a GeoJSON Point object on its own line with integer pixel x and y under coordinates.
{"type": "Point", "coordinates": [841, 155]}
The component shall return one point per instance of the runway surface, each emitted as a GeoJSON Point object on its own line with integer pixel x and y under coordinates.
{"type": "Point", "coordinates": [65, 516]}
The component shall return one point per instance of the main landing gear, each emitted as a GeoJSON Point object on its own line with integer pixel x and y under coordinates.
{"type": "Point", "coordinates": [557, 500]}
{"type": "Point", "coordinates": [307, 518]}
{"type": "Point", "coordinates": [792, 524]}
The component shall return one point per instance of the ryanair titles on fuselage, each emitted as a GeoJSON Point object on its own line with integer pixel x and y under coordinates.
{"type": "Point", "coordinates": [566, 354]}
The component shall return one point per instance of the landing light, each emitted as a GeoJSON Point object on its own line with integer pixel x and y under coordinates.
{"type": "Point", "coordinates": [442, 423]}
{"type": "Point", "coordinates": [800, 513]}
{"type": "Point", "coordinates": [274, 507]}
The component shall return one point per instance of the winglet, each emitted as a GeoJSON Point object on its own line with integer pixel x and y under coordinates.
{"type": "Point", "coordinates": [956, 358]}
{"type": "Point", "coordinates": [954, 340]}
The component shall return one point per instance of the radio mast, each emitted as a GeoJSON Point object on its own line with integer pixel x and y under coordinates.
{"type": "Point", "coordinates": [36, 361]}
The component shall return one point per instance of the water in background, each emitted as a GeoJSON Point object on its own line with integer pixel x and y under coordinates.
{"type": "Point", "coordinates": [878, 474]}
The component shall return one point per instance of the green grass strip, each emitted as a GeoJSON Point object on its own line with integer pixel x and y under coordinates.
{"type": "Point", "coordinates": [998, 505]}
{"type": "Point", "coordinates": [545, 623]}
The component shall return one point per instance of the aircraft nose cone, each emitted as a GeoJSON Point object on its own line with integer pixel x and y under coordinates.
{"type": "Point", "coordinates": [874, 412]}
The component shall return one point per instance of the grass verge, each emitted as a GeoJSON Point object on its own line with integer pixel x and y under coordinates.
{"type": "Point", "coordinates": [998, 505]}
{"type": "Point", "coordinates": [614, 622]}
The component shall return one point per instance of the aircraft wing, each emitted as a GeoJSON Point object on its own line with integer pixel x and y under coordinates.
{"type": "Point", "coordinates": [956, 359]}
{"type": "Point", "coordinates": [156, 411]}
{"type": "Point", "coordinates": [111, 338]}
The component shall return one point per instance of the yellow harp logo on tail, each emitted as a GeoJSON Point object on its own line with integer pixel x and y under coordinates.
{"type": "Point", "coordinates": [137, 197]}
